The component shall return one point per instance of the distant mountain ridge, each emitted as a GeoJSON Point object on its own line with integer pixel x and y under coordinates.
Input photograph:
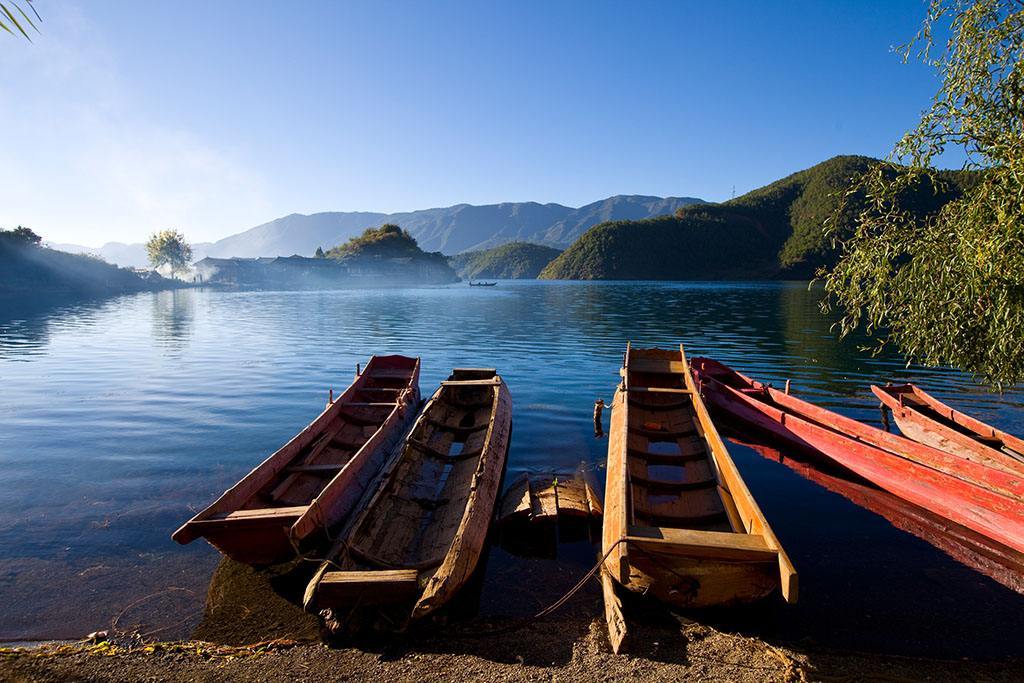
{"type": "Point", "coordinates": [451, 230]}
{"type": "Point", "coordinates": [776, 231]}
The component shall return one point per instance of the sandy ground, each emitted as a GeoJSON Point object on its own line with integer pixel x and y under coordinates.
{"type": "Point", "coordinates": [245, 606]}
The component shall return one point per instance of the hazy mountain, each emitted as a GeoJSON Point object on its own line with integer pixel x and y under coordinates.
{"type": "Point", "coordinates": [450, 230]}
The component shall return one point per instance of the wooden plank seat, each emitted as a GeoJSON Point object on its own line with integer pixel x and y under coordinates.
{"type": "Point", "coordinates": [390, 374]}
{"type": "Point", "coordinates": [662, 485]}
{"type": "Point", "coordinates": [676, 520]}
{"type": "Point", "coordinates": [658, 407]}
{"type": "Point", "coordinates": [440, 455]}
{"type": "Point", "coordinates": [376, 404]}
{"type": "Point", "coordinates": [657, 367]}
{"type": "Point", "coordinates": [659, 435]}
{"type": "Point", "coordinates": [667, 458]}
{"type": "Point", "coordinates": [656, 390]}
{"type": "Point", "coordinates": [712, 544]}
{"type": "Point", "coordinates": [360, 420]}
{"type": "Point", "coordinates": [378, 587]}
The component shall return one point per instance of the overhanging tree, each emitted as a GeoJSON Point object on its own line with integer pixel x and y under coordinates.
{"type": "Point", "coordinates": [947, 288]}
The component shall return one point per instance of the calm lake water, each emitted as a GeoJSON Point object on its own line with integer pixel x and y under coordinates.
{"type": "Point", "coordinates": [119, 419]}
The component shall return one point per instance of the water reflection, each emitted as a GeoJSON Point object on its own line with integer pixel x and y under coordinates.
{"type": "Point", "coordinates": [173, 311]}
{"type": "Point", "coordinates": [138, 410]}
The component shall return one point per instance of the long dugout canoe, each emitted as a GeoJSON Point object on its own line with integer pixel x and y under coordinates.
{"type": "Point", "coordinates": [418, 540]}
{"type": "Point", "coordinates": [915, 472]}
{"type": "Point", "coordinates": [294, 498]}
{"type": "Point", "coordinates": [679, 521]}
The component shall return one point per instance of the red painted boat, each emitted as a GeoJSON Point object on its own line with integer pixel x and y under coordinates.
{"type": "Point", "coordinates": [917, 473]}
{"type": "Point", "coordinates": [927, 420]}
{"type": "Point", "coordinates": [970, 548]}
{"type": "Point", "coordinates": [311, 484]}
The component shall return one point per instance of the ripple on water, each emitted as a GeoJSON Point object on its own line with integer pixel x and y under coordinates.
{"type": "Point", "coordinates": [120, 418]}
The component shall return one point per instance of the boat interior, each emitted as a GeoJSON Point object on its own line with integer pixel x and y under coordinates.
{"type": "Point", "coordinates": [352, 421]}
{"type": "Point", "coordinates": [413, 519]}
{"type": "Point", "coordinates": [672, 477]}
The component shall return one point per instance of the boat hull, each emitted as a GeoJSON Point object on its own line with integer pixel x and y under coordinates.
{"type": "Point", "coordinates": [965, 440]}
{"type": "Point", "coordinates": [995, 515]}
{"type": "Point", "coordinates": [248, 525]}
{"type": "Point", "coordinates": [418, 540]}
{"type": "Point", "coordinates": [692, 582]}
{"type": "Point", "coordinates": [679, 522]}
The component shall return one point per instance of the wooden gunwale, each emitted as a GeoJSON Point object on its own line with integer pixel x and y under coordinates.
{"type": "Point", "coordinates": [439, 576]}
{"type": "Point", "coordinates": [991, 513]}
{"type": "Point", "coordinates": [954, 432]}
{"type": "Point", "coordinates": [678, 534]}
{"type": "Point", "coordinates": [272, 536]}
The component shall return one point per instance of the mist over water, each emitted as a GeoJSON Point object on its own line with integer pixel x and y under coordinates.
{"type": "Point", "coordinates": [119, 419]}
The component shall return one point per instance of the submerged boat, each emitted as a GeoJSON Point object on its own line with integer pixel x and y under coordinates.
{"type": "Point", "coordinates": [419, 538]}
{"type": "Point", "coordinates": [679, 521]}
{"type": "Point", "coordinates": [927, 420]}
{"type": "Point", "coordinates": [294, 498]}
{"type": "Point", "coordinates": [978, 497]}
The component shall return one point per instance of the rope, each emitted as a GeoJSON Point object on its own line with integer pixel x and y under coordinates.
{"type": "Point", "coordinates": [550, 609]}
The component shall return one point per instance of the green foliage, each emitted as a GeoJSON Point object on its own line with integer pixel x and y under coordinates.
{"type": "Point", "coordinates": [774, 231]}
{"type": "Point", "coordinates": [387, 241]}
{"type": "Point", "coordinates": [946, 286]}
{"type": "Point", "coordinates": [14, 18]}
{"type": "Point", "coordinates": [168, 247]}
{"type": "Point", "coordinates": [20, 236]}
{"type": "Point", "coordinates": [515, 260]}
{"type": "Point", "coordinates": [391, 242]}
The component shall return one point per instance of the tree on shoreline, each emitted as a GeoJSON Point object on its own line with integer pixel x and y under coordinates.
{"type": "Point", "coordinates": [168, 247]}
{"type": "Point", "coordinates": [947, 288]}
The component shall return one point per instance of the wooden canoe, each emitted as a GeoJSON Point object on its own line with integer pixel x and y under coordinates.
{"type": "Point", "coordinates": [927, 420]}
{"type": "Point", "coordinates": [311, 484]}
{"type": "Point", "coordinates": [420, 536]}
{"type": "Point", "coordinates": [970, 548]}
{"type": "Point", "coordinates": [915, 472]}
{"type": "Point", "coordinates": [679, 521]}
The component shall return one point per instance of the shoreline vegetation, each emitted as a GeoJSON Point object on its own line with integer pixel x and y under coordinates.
{"type": "Point", "coordinates": [779, 231]}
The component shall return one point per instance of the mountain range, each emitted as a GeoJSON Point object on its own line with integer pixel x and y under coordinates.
{"type": "Point", "coordinates": [450, 230]}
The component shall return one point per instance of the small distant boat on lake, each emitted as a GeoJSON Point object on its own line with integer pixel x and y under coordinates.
{"type": "Point", "coordinates": [418, 540]}
{"type": "Point", "coordinates": [983, 499]}
{"type": "Point", "coordinates": [304, 490]}
{"type": "Point", "coordinates": [679, 521]}
{"type": "Point", "coordinates": [481, 284]}
{"type": "Point", "coordinates": [927, 420]}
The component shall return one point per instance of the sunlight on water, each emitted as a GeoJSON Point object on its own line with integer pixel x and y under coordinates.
{"type": "Point", "coordinates": [119, 419]}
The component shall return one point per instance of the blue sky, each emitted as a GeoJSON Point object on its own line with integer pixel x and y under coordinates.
{"type": "Point", "coordinates": [211, 117]}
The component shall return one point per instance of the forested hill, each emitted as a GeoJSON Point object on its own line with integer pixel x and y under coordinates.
{"type": "Point", "coordinates": [774, 231]}
{"type": "Point", "coordinates": [28, 269]}
{"type": "Point", "coordinates": [515, 260]}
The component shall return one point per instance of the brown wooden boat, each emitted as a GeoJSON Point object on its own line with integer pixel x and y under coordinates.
{"type": "Point", "coordinates": [679, 522]}
{"type": "Point", "coordinates": [420, 536]}
{"type": "Point", "coordinates": [927, 420]}
{"type": "Point", "coordinates": [312, 483]}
